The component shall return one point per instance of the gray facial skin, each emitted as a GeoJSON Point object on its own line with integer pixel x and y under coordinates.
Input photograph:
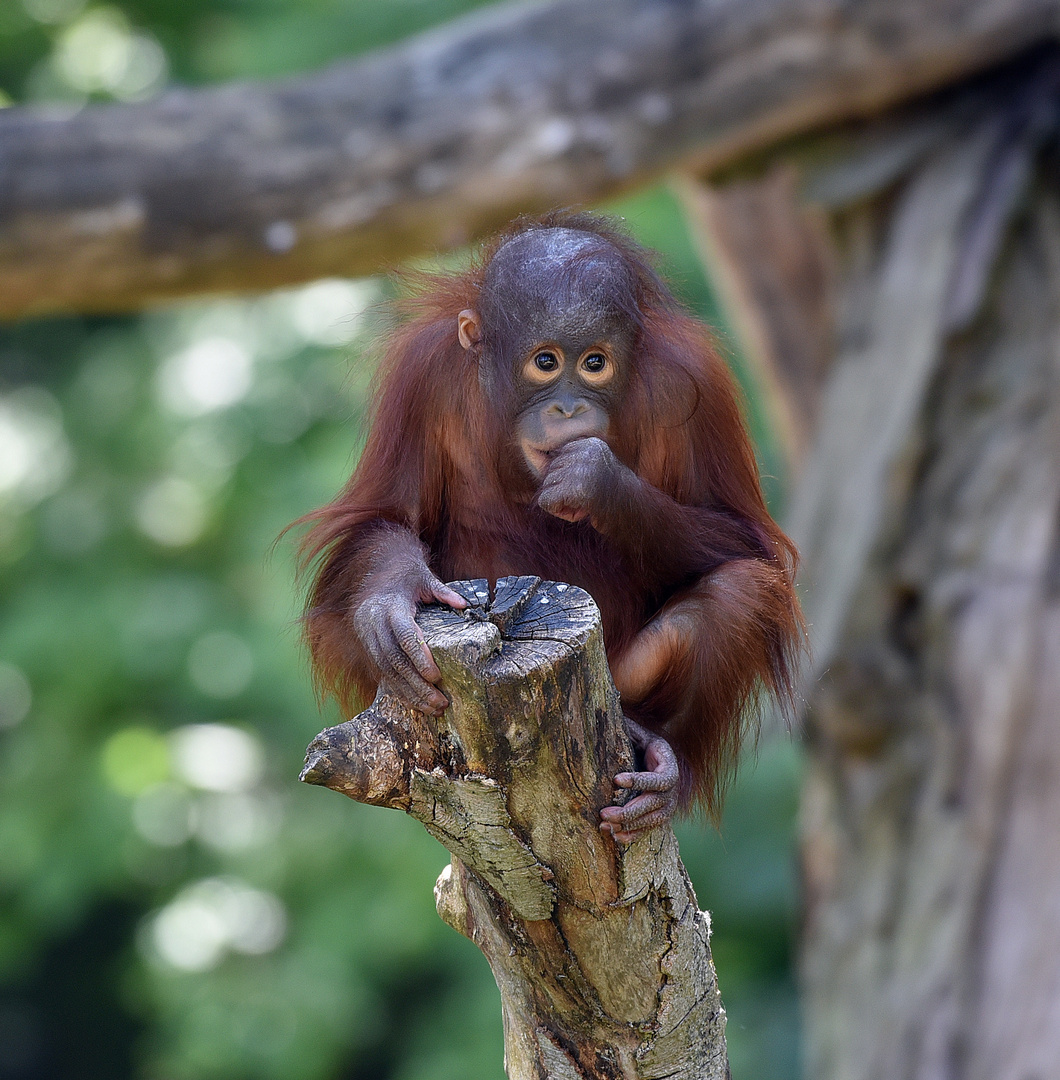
{"type": "Point", "coordinates": [568, 294]}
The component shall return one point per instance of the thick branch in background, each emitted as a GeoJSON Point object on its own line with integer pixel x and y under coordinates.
{"type": "Point", "coordinates": [434, 142]}
{"type": "Point", "coordinates": [600, 951]}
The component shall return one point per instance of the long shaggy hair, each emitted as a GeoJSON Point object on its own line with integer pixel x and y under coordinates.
{"type": "Point", "coordinates": [440, 461]}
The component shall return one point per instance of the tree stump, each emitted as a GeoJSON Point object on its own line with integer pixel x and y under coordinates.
{"type": "Point", "coordinates": [600, 950]}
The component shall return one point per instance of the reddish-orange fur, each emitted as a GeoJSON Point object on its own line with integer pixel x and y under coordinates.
{"type": "Point", "coordinates": [440, 462]}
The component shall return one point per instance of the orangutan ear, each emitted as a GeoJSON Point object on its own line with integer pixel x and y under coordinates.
{"type": "Point", "coordinates": [468, 328]}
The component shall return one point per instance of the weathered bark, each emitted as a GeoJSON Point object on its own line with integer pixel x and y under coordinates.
{"type": "Point", "coordinates": [600, 951]}
{"type": "Point", "coordinates": [929, 518]}
{"type": "Point", "coordinates": [440, 139]}
{"type": "Point", "coordinates": [931, 809]}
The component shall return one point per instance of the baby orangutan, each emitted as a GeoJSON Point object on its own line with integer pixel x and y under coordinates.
{"type": "Point", "coordinates": [553, 411]}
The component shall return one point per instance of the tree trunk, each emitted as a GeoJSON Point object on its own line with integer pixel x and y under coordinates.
{"type": "Point", "coordinates": [600, 950]}
{"type": "Point", "coordinates": [441, 139]}
{"type": "Point", "coordinates": [932, 807]}
{"type": "Point", "coordinates": [928, 513]}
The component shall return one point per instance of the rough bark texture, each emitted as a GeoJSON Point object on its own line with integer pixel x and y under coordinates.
{"type": "Point", "coordinates": [600, 951]}
{"type": "Point", "coordinates": [932, 810]}
{"type": "Point", "coordinates": [929, 518]}
{"type": "Point", "coordinates": [432, 143]}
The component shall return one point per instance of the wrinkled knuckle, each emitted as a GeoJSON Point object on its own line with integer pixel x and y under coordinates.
{"type": "Point", "coordinates": [402, 663]}
{"type": "Point", "coordinates": [366, 615]}
{"type": "Point", "coordinates": [400, 619]}
{"type": "Point", "coordinates": [663, 749]}
{"type": "Point", "coordinates": [372, 643]}
{"type": "Point", "coordinates": [406, 695]}
{"type": "Point", "coordinates": [430, 582]}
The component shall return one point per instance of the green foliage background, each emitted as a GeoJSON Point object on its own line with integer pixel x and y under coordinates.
{"type": "Point", "coordinates": [120, 625]}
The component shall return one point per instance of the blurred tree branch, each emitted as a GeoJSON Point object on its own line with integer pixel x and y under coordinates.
{"type": "Point", "coordinates": [436, 141]}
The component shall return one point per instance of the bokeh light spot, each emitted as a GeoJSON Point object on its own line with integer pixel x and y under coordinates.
{"type": "Point", "coordinates": [190, 934]}
{"type": "Point", "coordinates": [164, 815]}
{"type": "Point", "coordinates": [34, 455]}
{"type": "Point", "coordinates": [204, 921]}
{"type": "Point", "coordinates": [16, 696]}
{"type": "Point", "coordinates": [234, 822]}
{"type": "Point", "coordinates": [100, 53]}
{"type": "Point", "coordinates": [329, 312]}
{"type": "Point", "coordinates": [135, 759]}
{"type": "Point", "coordinates": [172, 511]}
{"type": "Point", "coordinates": [217, 757]}
{"type": "Point", "coordinates": [212, 374]}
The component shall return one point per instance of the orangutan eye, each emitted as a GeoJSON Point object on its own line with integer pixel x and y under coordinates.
{"type": "Point", "coordinates": [546, 361]}
{"type": "Point", "coordinates": [594, 363]}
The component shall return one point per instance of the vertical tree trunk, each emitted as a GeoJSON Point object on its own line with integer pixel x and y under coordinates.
{"type": "Point", "coordinates": [932, 807]}
{"type": "Point", "coordinates": [600, 951]}
{"type": "Point", "coordinates": [928, 513]}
